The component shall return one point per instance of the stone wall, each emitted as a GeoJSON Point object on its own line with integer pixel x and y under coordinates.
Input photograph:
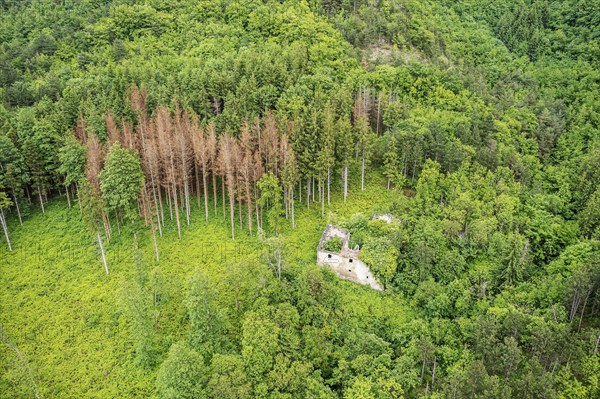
{"type": "Point", "coordinates": [345, 264]}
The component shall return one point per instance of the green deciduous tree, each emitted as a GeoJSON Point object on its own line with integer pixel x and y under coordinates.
{"type": "Point", "coordinates": [270, 195]}
{"type": "Point", "coordinates": [182, 375]}
{"type": "Point", "coordinates": [121, 180]}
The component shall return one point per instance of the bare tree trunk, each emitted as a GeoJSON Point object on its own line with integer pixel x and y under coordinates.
{"type": "Point", "coordinates": [583, 310]}
{"type": "Point", "coordinates": [293, 218]}
{"type": "Point", "coordinates": [322, 194]}
{"type": "Point", "coordinates": [362, 175]}
{"type": "Point", "coordinates": [232, 214]}
{"type": "Point", "coordinates": [68, 200]}
{"type": "Point", "coordinates": [41, 199]}
{"type": "Point", "coordinates": [102, 251]}
{"type": "Point", "coordinates": [308, 192]}
{"type": "Point", "coordinates": [117, 220]}
{"type": "Point", "coordinates": [78, 199]}
{"type": "Point", "coordinates": [19, 210]}
{"type": "Point", "coordinates": [249, 205]}
{"type": "Point", "coordinates": [205, 194]}
{"type": "Point", "coordinates": [223, 197]}
{"type": "Point", "coordinates": [174, 192]}
{"type": "Point", "coordinates": [197, 185]}
{"type": "Point", "coordinates": [240, 212]}
{"type": "Point", "coordinates": [257, 215]}
{"type": "Point", "coordinates": [5, 228]}
{"type": "Point", "coordinates": [170, 202]}
{"type": "Point", "coordinates": [433, 371]}
{"type": "Point", "coordinates": [107, 226]}
{"type": "Point", "coordinates": [329, 186]}
{"type": "Point", "coordinates": [158, 213]}
{"type": "Point", "coordinates": [286, 203]}
{"type": "Point", "coordinates": [214, 184]}
{"type": "Point", "coordinates": [186, 191]}
{"type": "Point", "coordinates": [300, 189]}
{"type": "Point", "coordinates": [345, 182]}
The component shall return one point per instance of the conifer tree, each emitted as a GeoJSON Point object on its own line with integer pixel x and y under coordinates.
{"type": "Point", "coordinates": [289, 176]}
{"type": "Point", "coordinates": [121, 180]}
{"type": "Point", "coordinates": [390, 162]}
{"type": "Point", "coordinates": [345, 148]}
{"type": "Point", "coordinates": [164, 128]}
{"type": "Point", "coordinates": [202, 156]}
{"type": "Point", "coordinates": [246, 168]}
{"type": "Point", "coordinates": [364, 135]}
{"type": "Point", "coordinates": [72, 164]}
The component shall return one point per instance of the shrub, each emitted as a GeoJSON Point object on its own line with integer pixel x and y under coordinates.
{"type": "Point", "coordinates": [334, 244]}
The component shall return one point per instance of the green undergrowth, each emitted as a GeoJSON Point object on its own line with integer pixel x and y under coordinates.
{"type": "Point", "coordinates": [70, 321]}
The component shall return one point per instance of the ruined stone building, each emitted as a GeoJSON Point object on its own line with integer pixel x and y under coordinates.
{"type": "Point", "coordinates": [346, 263]}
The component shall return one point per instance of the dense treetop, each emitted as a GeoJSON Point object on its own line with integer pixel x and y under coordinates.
{"type": "Point", "coordinates": [476, 124]}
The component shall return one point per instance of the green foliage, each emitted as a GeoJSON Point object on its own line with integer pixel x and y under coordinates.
{"type": "Point", "coordinates": [482, 114]}
{"type": "Point", "coordinates": [121, 180]}
{"type": "Point", "coordinates": [334, 244]}
{"type": "Point", "coordinates": [72, 162]}
{"type": "Point", "coordinates": [271, 196]}
{"type": "Point", "coordinates": [182, 375]}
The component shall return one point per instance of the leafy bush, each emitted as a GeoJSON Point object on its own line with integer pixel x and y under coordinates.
{"type": "Point", "coordinates": [333, 245]}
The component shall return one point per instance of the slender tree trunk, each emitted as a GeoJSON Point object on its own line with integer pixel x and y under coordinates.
{"type": "Point", "coordinates": [232, 214]}
{"type": "Point", "coordinates": [79, 199]}
{"type": "Point", "coordinates": [41, 199]}
{"type": "Point", "coordinates": [322, 194]}
{"type": "Point", "coordinates": [308, 192]}
{"type": "Point", "coordinates": [162, 208]}
{"type": "Point", "coordinates": [197, 185]}
{"type": "Point", "coordinates": [19, 209]}
{"type": "Point", "coordinates": [158, 213]}
{"type": "Point", "coordinates": [345, 182]}
{"type": "Point", "coordinates": [223, 197]}
{"type": "Point", "coordinates": [102, 251]}
{"type": "Point", "coordinates": [205, 194]}
{"type": "Point", "coordinates": [170, 202]}
{"type": "Point", "coordinates": [28, 195]}
{"type": "Point", "coordinates": [249, 205]}
{"type": "Point", "coordinates": [68, 200]}
{"type": "Point", "coordinates": [362, 175]}
{"type": "Point", "coordinates": [257, 215]}
{"type": "Point", "coordinates": [583, 310]}
{"type": "Point", "coordinates": [313, 188]}
{"type": "Point", "coordinates": [107, 226]}
{"type": "Point", "coordinates": [5, 228]}
{"type": "Point", "coordinates": [300, 189]}
{"type": "Point", "coordinates": [186, 191]}
{"type": "Point", "coordinates": [240, 212]}
{"type": "Point", "coordinates": [285, 203]}
{"type": "Point", "coordinates": [174, 191]}
{"type": "Point", "coordinates": [329, 185]}
{"type": "Point", "coordinates": [293, 218]}
{"type": "Point", "coordinates": [117, 220]}
{"type": "Point", "coordinates": [214, 184]}
{"type": "Point", "coordinates": [433, 372]}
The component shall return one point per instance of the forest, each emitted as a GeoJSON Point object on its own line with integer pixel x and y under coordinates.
{"type": "Point", "coordinates": [167, 169]}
